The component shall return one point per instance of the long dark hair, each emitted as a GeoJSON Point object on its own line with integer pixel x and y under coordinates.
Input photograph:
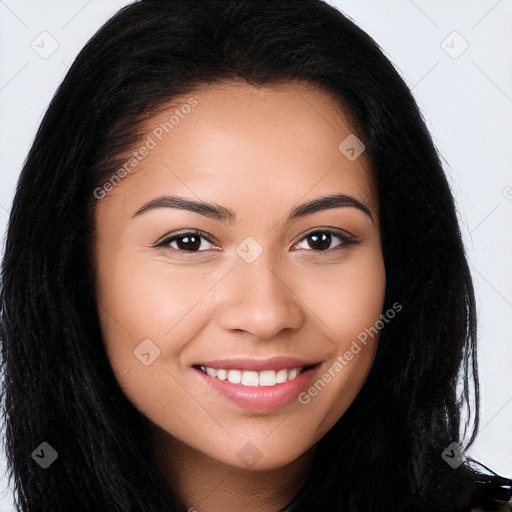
{"type": "Point", "coordinates": [385, 453]}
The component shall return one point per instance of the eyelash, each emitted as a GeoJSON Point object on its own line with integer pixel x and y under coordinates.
{"type": "Point", "coordinates": [346, 240]}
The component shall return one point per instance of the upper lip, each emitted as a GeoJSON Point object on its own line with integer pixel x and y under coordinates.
{"type": "Point", "coordinates": [273, 363]}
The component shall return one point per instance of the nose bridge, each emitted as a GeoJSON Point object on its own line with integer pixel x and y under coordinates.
{"type": "Point", "coordinates": [258, 299]}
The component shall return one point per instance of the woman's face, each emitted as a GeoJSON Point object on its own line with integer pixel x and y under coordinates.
{"type": "Point", "coordinates": [271, 284]}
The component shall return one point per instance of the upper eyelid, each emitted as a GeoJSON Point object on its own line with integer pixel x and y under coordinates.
{"type": "Point", "coordinates": [341, 233]}
{"type": "Point", "coordinates": [345, 237]}
{"type": "Point", "coordinates": [171, 236]}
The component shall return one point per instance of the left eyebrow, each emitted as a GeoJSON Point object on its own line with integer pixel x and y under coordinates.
{"type": "Point", "coordinates": [228, 216]}
{"type": "Point", "coordinates": [326, 203]}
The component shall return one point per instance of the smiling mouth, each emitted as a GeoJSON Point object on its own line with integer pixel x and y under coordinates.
{"type": "Point", "coordinates": [263, 378]}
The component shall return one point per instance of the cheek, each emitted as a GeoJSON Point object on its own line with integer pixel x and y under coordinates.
{"type": "Point", "coordinates": [348, 300]}
{"type": "Point", "coordinates": [137, 300]}
{"type": "Point", "coordinates": [141, 310]}
{"type": "Point", "coordinates": [350, 307]}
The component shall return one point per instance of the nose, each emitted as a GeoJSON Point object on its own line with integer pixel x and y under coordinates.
{"type": "Point", "coordinates": [258, 299]}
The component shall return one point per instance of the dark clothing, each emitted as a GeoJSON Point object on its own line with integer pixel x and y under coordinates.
{"type": "Point", "coordinates": [319, 495]}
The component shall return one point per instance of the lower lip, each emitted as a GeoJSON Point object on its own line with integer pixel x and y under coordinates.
{"type": "Point", "coordinates": [261, 398]}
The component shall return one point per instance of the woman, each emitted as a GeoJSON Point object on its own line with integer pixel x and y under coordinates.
{"type": "Point", "coordinates": [243, 285]}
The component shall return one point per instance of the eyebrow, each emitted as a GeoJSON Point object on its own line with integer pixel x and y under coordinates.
{"type": "Point", "coordinates": [227, 216]}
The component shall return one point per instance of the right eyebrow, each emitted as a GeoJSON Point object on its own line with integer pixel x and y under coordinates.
{"type": "Point", "coordinates": [211, 210]}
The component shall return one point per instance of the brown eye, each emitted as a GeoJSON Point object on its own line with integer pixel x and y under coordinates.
{"type": "Point", "coordinates": [186, 242]}
{"type": "Point", "coordinates": [320, 241]}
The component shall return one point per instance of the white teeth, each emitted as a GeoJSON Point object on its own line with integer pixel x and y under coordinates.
{"type": "Point", "coordinates": [212, 372]}
{"type": "Point", "coordinates": [234, 376]}
{"type": "Point", "coordinates": [267, 378]}
{"type": "Point", "coordinates": [281, 376]}
{"type": "Point", "coordinates": [293, 373]}
{"type": "Point", "coordinates": [252, 378]}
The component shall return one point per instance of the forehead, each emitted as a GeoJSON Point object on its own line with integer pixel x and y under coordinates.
{"type": "Point", "coordinates": [251, 141]}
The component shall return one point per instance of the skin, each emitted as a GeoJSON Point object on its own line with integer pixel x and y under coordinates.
{"type": "Point", "coordinates": [259, 152]}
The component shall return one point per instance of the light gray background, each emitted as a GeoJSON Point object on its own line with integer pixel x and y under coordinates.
{"type": "Point", "coordinates": [465, 95]}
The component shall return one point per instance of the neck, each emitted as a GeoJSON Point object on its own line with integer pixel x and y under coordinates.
{"type": "Point", "coordinates": [206, 484]}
